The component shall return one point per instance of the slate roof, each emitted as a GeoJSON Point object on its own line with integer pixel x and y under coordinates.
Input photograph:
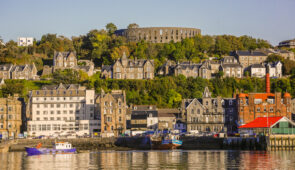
{"type": "Point", "coordinates": [5, 67]}
{"type": "Point", "coordinates": [143, 114]}
{"type": "Point", "coordinates": [106, 68]}
{"type": "Point", "coordinates": [257, 66]}
{"type": "Point", "coordinates": [250, 53]}
{"type": "Point", "coordinates": [66, 86]}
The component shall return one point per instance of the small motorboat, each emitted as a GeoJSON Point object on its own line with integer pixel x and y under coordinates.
{"type": "Point", "coordinates": [58, 148]}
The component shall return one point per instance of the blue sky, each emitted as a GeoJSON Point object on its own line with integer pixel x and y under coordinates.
{"type": "Point", "coordinates": [273, 20]}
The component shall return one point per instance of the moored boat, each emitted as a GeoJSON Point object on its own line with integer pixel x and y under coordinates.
{"type": "Point", "coordinates": [58, 148]}
{"type": "Point", "coordinates": [166, 142]}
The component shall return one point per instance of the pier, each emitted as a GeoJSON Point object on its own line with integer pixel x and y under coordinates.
{"type": "Point", "coordinates": [281, 142]}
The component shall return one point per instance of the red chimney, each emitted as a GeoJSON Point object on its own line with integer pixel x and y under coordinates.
{"type": "Point", "coordinates": [267, 83]}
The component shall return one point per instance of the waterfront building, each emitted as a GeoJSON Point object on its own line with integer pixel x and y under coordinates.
{"type": "Point", "coordinates": [269, 125]}
{"type": "Point", "coordinates": [158, 34]}
{"type": "Point", "coordinates": [68, 60]}
{"type": "Point", "coordinates": [167, 118]}
{"type": "Point", "coordinates": [62, 110]}
{"type": "Point", "coordinates": [10, 116]}
{"type": "Point", "coordinates": [253, 105]}
{"type": "Point", "coordinates": [287, 44]}
{"type": "Point", "coordinates": [125, 68]}
{"type": "Point", "coordinates": [112, 110]}
{"type": "Point", "coordinates": [25, 41]}
{"type": "Point", "coordinates": [144, 117]}
{"type": "Point", "coordinates": [207, 114]}
{"type": "Point", "coordinates": [248, 58]}
{"type": "Point", "coordinates": [281, 52]}
{"type": "Point", "coordinates": [27, 72]}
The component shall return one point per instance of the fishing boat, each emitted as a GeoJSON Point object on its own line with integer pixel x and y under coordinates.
{"type": "Point", "coordinates": [58, 148]}
{"type": "Point", "coordinates": [169, 141]}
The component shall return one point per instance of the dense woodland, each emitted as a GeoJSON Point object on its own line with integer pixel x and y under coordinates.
{"type": "Point", "coordinates": [104, 47]}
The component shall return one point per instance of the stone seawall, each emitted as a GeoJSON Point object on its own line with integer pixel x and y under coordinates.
{"type": "Point", "coordinates": [79, 143]}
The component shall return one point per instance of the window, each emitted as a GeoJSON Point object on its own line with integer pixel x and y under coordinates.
{"type": "Point", "coordinates": [271, 109]}
{"type": "Point", "coordinates": [38, 113]}
{"type": "Point", "coordinates": [58, 112]}
{"type": "Point", "coordinates": [91, 101]}
{"type": "Point", "coordinates": [10, 117]}
{"type": "Point", "coordinates": [1, 109]}
{"type": "Point", "coordinates": [119, 103]}
{"type": "Point", "coordinates": [51, 118]}
{"type": "Point", "coordinates": [52, 112]}
{"type": "Point", "coordinates": [198, 111]}
{"type": "Point", "coordinates": [52, 105]}
{"type": "Point", "coordinates": [109, 119]}
{"type": "Point", "coordinates": [230, 102]}
{"type": "Point", "coordinates": [58, 118]}
{"type": "Point", "coordinates": [120, 111]}
{"type": "Point", "coordinates": [58, 105]}
{"type": "Point", "coordinates": [45, 112]}
{"type": "Point", "coordinates": [71, 105]}
{"type": "Point", "coordinates": [64, 112]}
{"type": "Point", "coordinates": [258, 109]}
{"type": "Point", "coordinates": [65, 118]}
{"type": "Point", "coordinates": [38, 105]}
{"type": "Point", "coordinates": [71, 111]}
{"type": "Point", "coordinates": [45, 105]}
{"type": "Point", "coordinates": [37, 118]}
{"type": "Point", "coordinates": [104, 111]}
{"type": "Point", "coordinates": [120, 119]}
{"type": "Point", "coordinates": [45, 118]}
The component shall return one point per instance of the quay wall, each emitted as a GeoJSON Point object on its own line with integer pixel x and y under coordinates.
{"type": "Point", "coordinates": [78, 143]}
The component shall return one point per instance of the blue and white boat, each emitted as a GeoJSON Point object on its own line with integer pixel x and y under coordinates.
{"type": "Point", "coordinates": [58, 148]}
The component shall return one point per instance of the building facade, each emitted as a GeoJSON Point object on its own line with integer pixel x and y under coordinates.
{"type": "Point", "coordinates": [231, 67]}
{"type": "Point", "coordinates": [112, 109]}
{"type": "Point", "coordinates": [62, 110]}
{"type": "Point", "coordinates": [253, 105]}
{"type": "Point", "coordinates": [203, 115]}
{"type": "Point", "coordinates": [125, 68]}
{"type": "Point", "coordinates": [144, 117]}
{"type": "Point", "coordinates": [25, 41]}
{"type": "Point", "coordinates": [274, 69]}
{"type": "Point", "coordinates": [258, 70]}
{"type": "Point", "coordinates": [248, 58]}
{"type": "Point", "coordinates": [10, 116]}
{"type": "Point", "coordinates": [287, 43]}
{"type": "Point", "coordinates": [10, 71]}
{"type": "Point", "coordinates": [158, 34]}
{"type": "Point", "coordinates": [68, 60]}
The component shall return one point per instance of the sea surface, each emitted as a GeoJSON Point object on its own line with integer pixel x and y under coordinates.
{"type": "Point", "coordinates": [176, 159]}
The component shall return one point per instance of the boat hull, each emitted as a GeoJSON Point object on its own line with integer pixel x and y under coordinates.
{"type": "Point", "coordinates": [166, 144]}
{"type": "Point", "coordinates": [40, 151]}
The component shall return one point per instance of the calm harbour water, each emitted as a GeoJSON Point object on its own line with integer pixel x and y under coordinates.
{"type": "Point", "coordinates": [177, 159]}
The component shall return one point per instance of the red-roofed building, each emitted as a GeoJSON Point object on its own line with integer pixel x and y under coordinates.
{"type": "Point", "coordinates": [254, 105]}
{"type": "Point", "coordinates": [273, 125]}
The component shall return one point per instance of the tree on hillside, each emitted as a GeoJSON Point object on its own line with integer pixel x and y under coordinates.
{"type": "Point", "coordinates": [133, 25]}
{"type": "Point", "coordinates": [274, 58]}
{"type": "Point", "coordinates": [111, 28]}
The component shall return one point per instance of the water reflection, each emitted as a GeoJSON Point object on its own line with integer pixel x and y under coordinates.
{"type": "Point", "coordinates": [152, 160]}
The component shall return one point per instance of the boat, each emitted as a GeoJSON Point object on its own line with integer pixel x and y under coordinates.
{"type": "Point", "coordinates": [58, 148]}
{"type": "Point", "coordinates": [165, 142]}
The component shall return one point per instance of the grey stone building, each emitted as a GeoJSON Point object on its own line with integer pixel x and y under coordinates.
{"type": "Point", "coordinates": [158, 34]}
{"type": "Point", "coordinates": [10, 71]}
{"type": "Point", "coordinates": [68, 60]}
{"type": "Point", "coordinates": [231, 67]}
{"type": "Point", "coordinates": [248, 58]}
{"type": "Point", "coordinates": [125, 68]}
{"type": "Point", "coordinates": [208, 114]}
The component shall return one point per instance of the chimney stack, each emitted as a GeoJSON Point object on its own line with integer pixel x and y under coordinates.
{"type": "Point", "coordinates": [267, 83]}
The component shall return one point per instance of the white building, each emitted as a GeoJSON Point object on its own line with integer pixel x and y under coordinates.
{"type": "Point", "coordinates": [62, 110]}
{"type": "Point", "coordinates": [274, 69]}
{"type": "Point", "coordinates": [25, 41]}
{"type": "Point", "coordinates": [258, 70]}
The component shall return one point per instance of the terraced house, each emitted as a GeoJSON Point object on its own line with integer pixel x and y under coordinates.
{"type": "Point", "coordinates": [10, 71]}
{"type": "Point", "coordinates": [10, 116]}
{"type": "Point", "coordinates": [112, 109]}
{"type": "Point", "coordinates": [125, 68]}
